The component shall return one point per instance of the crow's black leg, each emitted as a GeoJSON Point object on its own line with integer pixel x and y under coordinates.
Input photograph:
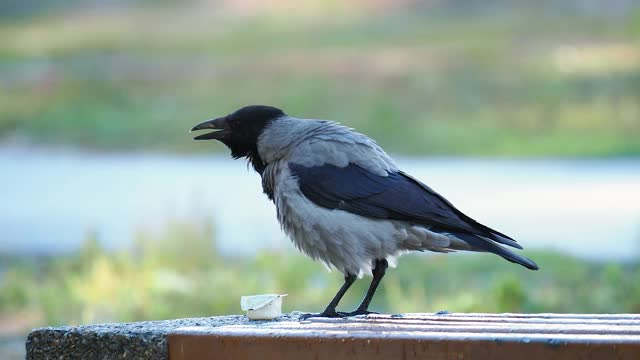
{"type": "Point", "coordinates": [330, 311]}
{"type": "Point", "coordinates": [378, 273]}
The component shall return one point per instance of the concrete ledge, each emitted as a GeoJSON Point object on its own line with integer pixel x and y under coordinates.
{"type": "Point", "coordinates": [140, 340]}
{"type": "Point", "coordinates": [410, 336]}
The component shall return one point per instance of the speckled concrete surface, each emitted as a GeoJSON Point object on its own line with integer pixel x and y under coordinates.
{"type": "Point", "coordinates": [140, 340]}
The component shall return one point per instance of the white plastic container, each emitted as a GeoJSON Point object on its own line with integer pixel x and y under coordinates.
{"type": "Point", "coordinates": [262, 307]}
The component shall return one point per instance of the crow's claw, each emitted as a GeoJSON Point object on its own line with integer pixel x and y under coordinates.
{"type": "Point", "coordinates": [325, 314]}
{"type": "Point", "coordinates": [359, 312]}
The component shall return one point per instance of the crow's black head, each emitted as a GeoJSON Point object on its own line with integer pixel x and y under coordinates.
{"type": "Point", "coordinates": [240, 130]}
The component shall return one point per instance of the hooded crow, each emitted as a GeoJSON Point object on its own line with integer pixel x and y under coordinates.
{"type": "Point", "coordinates": [343, 201]}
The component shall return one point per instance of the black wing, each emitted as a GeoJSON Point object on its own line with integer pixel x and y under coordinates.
{"type": "Point", "coordinates": [397, 196]}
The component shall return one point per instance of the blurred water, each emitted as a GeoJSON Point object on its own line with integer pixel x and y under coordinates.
{"type": "Point", "coordinates": [52, 198]}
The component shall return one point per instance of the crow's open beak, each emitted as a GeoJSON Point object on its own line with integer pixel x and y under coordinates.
{"type": "Point", "coordinates": [219, 124]}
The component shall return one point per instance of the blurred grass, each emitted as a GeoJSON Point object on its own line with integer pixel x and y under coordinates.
{"type": "Point", "coordinates": [180, 274]}
{"type": "Point", "coordinates": [504, 82]}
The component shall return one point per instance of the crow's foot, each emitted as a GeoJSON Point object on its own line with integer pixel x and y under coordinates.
{"type": "Point", "coordinates": [325, 314]}
{"type": "Point", "coordinates": [359, 312]}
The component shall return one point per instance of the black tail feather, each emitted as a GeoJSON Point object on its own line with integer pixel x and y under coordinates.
{"type": "Point", "coordinates": [504, 241]}
{"type": "Point", "coordinates": [482, 244]}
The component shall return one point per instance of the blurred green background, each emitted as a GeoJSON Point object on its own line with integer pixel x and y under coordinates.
{"type": "Point", "coordinates": [502, 77]}
{"type": "Point", "coordinates": [499, 78]}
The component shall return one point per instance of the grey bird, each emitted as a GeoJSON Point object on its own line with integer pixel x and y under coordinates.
{"type": "Point", "coordinates": [343, 201]}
